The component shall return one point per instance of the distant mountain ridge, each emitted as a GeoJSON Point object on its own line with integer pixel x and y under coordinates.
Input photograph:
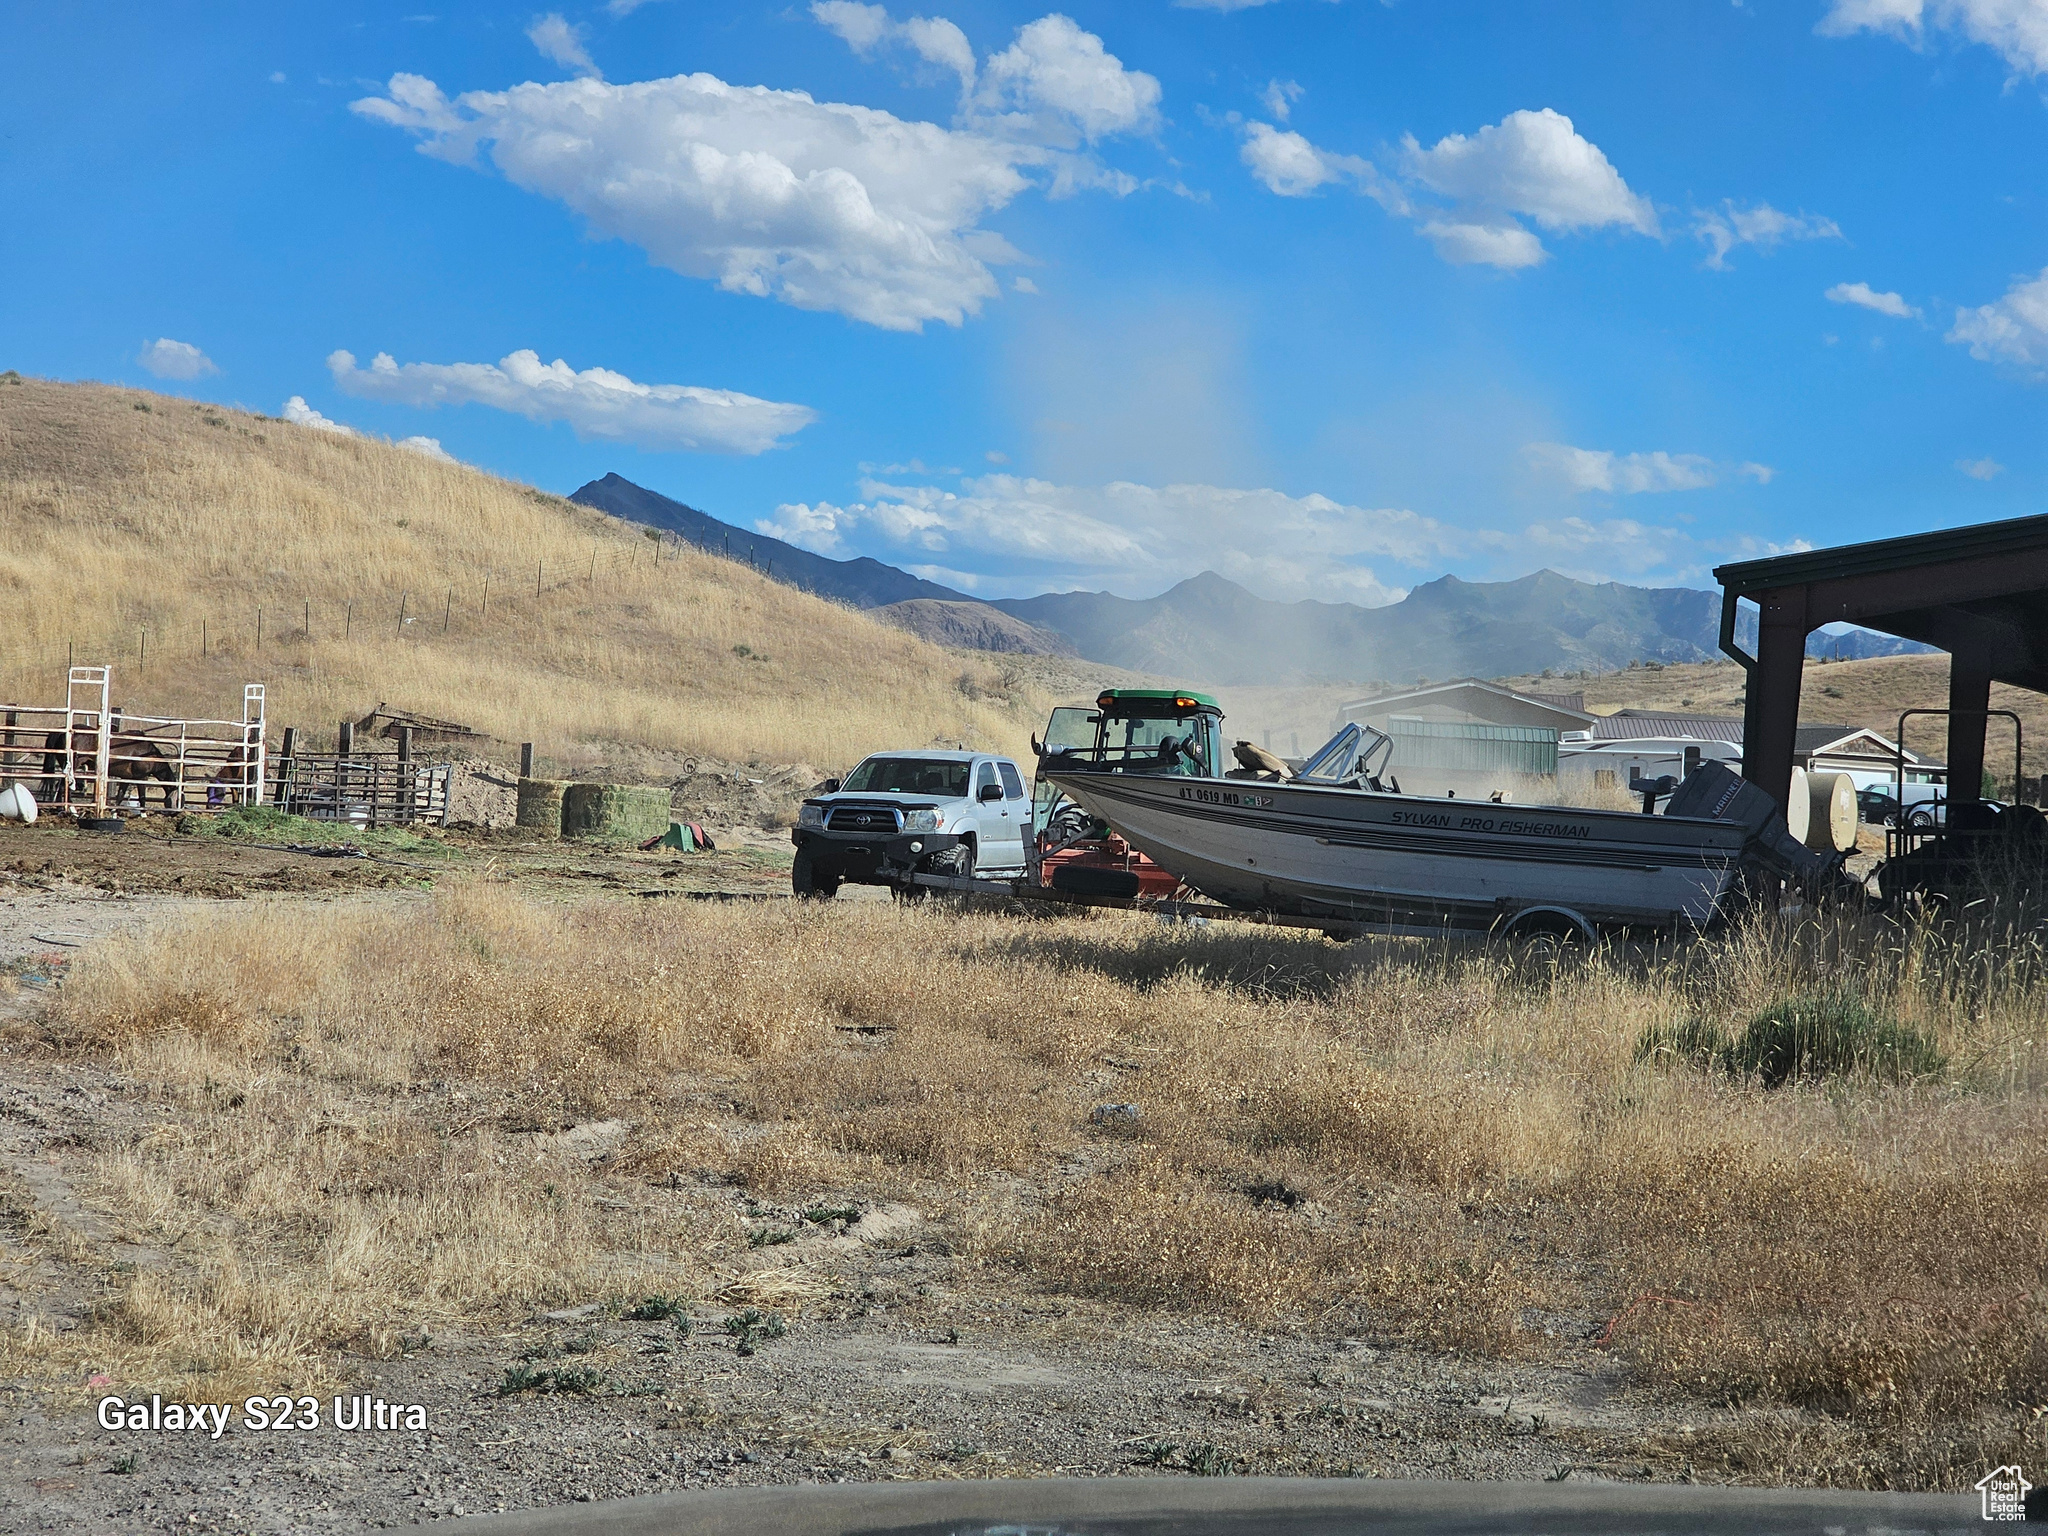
{"type": "Point", "coordinates": [1209, 629]}
{"type": "Point", "coordinates": [865, 583]}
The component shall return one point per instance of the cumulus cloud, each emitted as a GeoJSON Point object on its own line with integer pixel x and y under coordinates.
{"type": "Point", "coordinates": [1627, 474]}
{"type": "Point", "coordinates": [820, 205]}
{"type": "Point", "coordinates": [1470, 193]}
{"type": "Point", "coordinates": [1129, 536]}
{"type": "Point", "coordinates": [865, 28]}
{"type": "Point", "coordinates": [1762, 227]}
{"type": "Point", "coordinates": [180, 360]}
{"type": "Point", "coordinates": [1981, 469]}
{"type": "Point", "coordinates": [1867, 297]}
{"type": "Point", "coordinates": [562, 44]}
{"type": "Point", "coordinates": [596, 403]}
{"type": "Point", "coordinates": [430, 447]}
{"type": "Point", "coordinates": [2017, 29]}
{"type": "Point", "coordinates": [2014, 329]}
{"type": "Point", "coordinates": [296, 410]}
{"type": "Point", "coordinates": [1535, 164]}
{"type": "Point", "coordinates": [1291, 166]}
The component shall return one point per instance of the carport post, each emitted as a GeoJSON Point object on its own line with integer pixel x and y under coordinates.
{"type": "Point", "coordinates": [1969, 701]}
{"type": "Point", "coordinates": [1771, 709]}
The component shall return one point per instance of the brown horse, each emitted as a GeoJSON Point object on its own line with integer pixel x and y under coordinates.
{"type": "Point", "coordinates": [131, 759]}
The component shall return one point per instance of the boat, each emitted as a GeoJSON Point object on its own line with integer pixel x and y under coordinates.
{"type": "Point", "coordinates": [1339, 840]}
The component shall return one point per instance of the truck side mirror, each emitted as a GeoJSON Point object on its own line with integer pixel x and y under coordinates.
{"type": "Point", "coordinates": [991, 792]}
{"type": "Point", "coordinates": [829, 787]}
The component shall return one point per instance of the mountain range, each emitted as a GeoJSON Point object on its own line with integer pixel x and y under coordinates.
{"type": "Point", "coordinates": [1212, 629]}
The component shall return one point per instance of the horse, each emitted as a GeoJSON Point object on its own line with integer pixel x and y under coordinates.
{"type": "Point", "coordinates": [131, 759]}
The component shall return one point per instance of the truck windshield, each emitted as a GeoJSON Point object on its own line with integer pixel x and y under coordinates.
{"type": "Point", "coordinates": [909, 776]}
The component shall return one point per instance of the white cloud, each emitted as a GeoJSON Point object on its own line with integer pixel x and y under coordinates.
{"type": "Point", "coordinates": [1059, 81]}
{"type": "Point", "coordinates": [1507, 245]}
{"type": "Point", "coordinates": [2014, 329]}
{"type": "Point", "coordinates": [1535, 164]}
{"type": "Point", "coordinates": [562, 44]}
{"type": "Point", "coordinates": [2017, 29]}
{"type": "Point", "coordinates": [1762, 474]}
{"type": "Point", "coordinates": [821, 205]}
{"type": "Point", "coordinates": [1615, 547]}
{"type": "Point", "coordinates": [813, 528]}
{"type": "Point", "coordinates": [996, 457]}
{"type": "Point", "coordinates": [1626, 474]}
{"type": "Point", "coordinates": [180, 360]}
{"type": "Point", "coordinates": [1761, 226]}
{"type": "Point", "coordinates": [430, 446]}
{"type": "Point", "coordinates": [1023, 285]}
{"type": "Point", "coordinates": [1981, 469]}
{"type": "Point", "coordinates": [1532, 165]}
{"type": "Point", "coordinates": [1128, 536]}
{"type": "Point", "coordinates": [1863, 295]}
{"type": "Point", "coordinates": [864, 28]}
{"type": "Point", "coordinates": [596, 403]}
{"type": "Point", "coordinates": [277, 77]}
{"type": "Point", "coordinates": [1280, 97]}
{"type": "Point", "coordinates": [1221, 5]}
{"type": "Point", "coordinates": [1291, 166]}
{"type": "Point", "coordinates": [296, 410]}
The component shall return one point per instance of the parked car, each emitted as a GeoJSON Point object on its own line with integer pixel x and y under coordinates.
{"type": "Point", "coordinates": [1878, 806]}
{"type": "Point", "coordinates": [900, 813]}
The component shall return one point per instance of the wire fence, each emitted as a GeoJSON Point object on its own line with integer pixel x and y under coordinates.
{"type": "Point", "coordinates": [420, 613]}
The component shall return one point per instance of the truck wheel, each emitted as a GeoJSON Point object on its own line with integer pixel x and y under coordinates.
{"type": "Point", "coordinates": [808, 881]}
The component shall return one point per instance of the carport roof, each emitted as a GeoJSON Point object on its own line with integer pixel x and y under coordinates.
{"type": "Point", "coordinates": [1982, 588]}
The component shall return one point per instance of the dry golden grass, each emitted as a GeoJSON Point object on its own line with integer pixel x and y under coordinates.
{"type": "Point", "coordinates": [115, 520]}
{"type": "Point", "coordinates": [1417, 1143]}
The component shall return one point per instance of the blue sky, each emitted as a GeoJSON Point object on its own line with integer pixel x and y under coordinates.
{"type": "Point", "coordinates": [1330, 297]}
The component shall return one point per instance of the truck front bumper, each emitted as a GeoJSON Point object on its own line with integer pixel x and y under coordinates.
{"type": "Point", "coordinates": [864, 858]}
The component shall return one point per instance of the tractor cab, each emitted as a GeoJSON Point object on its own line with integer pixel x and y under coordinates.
{"type": "Point", "coordinates": [1130, 730]}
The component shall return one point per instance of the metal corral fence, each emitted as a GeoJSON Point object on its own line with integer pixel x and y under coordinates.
{"type": "Point", "coordinates": [91, 758]}
{"type": "Point", "coordinates": [375, 789]}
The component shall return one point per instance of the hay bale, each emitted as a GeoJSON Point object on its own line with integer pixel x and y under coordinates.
{"type": "Point", "coordinates": [540, 805]}
{"type": "Point", "coordinates": [626, 812]}
{"type": "Point", "coordinates": [1831, 826]}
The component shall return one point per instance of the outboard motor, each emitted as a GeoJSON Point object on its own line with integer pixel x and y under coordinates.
{"type": "Point", "coordinates": [1714, 793]}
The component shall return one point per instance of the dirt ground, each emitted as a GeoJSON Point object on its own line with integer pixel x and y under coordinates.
{"type": "Point", "coordinates": [901, 1357]}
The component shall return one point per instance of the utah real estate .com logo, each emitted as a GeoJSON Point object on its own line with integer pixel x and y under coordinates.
{"type": "Point", "coordinates": [2005, 1494]}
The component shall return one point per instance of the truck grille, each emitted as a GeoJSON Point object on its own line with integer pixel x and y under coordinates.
{"type": "Point", "coordinates": [862, 818]}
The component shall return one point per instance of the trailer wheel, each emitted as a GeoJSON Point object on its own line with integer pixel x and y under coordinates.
{"type": "Point", "coordinates": [807, 882]}
{"type": "Point", "coordinates": [1540, 939]}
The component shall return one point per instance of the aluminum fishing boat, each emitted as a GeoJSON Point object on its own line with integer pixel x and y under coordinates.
{"type": "Point", "coordinates": [1335, 841]}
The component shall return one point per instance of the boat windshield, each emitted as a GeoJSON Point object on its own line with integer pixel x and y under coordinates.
{"type": "Point", "coordinates": [1355, 753]}
{"type": "Point", "coordinates": [938, 777]}
{"type": "Point", "coordinates": [1159, 746]}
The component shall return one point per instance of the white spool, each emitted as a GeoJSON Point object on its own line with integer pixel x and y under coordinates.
{"type": "Point", "coordinates": [17, 804]}
{"type": "Point", "coordinates": [1799, 806]}
{"type": "Point", "coordinates": [1831, 825]}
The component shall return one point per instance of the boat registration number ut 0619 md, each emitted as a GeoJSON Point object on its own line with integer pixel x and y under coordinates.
{"type": "Point", "coordinates": [1224, 797]}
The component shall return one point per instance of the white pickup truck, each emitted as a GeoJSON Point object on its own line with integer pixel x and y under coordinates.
{"type": "Point", "coordinates": [899, 813]}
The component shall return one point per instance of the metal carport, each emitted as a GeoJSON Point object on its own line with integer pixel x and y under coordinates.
{"type": "Point", "coordinates": [1979, 593]}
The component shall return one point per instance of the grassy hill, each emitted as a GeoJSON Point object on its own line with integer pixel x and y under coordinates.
{"type": "Point", "coordinates": [155, 535]}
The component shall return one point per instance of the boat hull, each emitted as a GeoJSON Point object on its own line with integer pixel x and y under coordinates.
{"type": "Point", "coordinates": [1407, 862]}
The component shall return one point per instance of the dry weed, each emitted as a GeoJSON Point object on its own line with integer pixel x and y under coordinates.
{"type": "Point", "coordinates": [1407, 1140]}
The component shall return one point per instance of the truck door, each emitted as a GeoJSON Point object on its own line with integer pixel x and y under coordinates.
{"type": "Point", "coordinates": [1000, 818]}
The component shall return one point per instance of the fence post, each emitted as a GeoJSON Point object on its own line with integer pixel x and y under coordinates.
{"type": "Point", "coordinates": [405, 775]}
{"type": "Point", "coordinates": [348, 620]}
{"type": "Point", "coordinates": [202, 639]}
{"type": "Point", "coordinates": [259, 629]}
{"type": "Point", "coordinates": [526, 760]}
{"type": "Point", "coordinates": [448, 612]}
{"type": "Point", "coordinates": [284, 769]}
{"type": "Point", "coordinates": [402, 601]}
{"type": "Point", "coordinates": [142, 656]}
{"type": "Point", "coordinates": [7, 761]}
{"type": "Point", "coordinates": [487, 596]}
